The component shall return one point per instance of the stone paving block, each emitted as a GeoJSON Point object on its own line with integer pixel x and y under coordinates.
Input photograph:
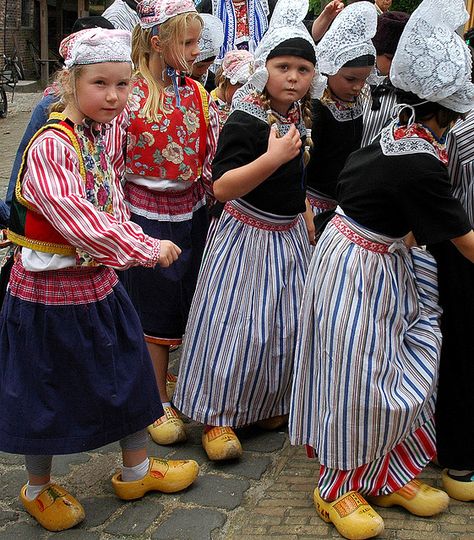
{"type": "Point", "coordinates": [11, 459]}
{"type": "Point", "coordinates": [98, 510]}
{"type": "Point", "coordinates": [108, 448]}
{"type": "Point", "coordinates": [249, 466]}
{"type": "Point", "coordinates": [75, 534]}
{"type": "Point", "coordinates": [190, 524]}
{"type": "Point", "coordinates": [24, 530]}
{"type": "Point", "coordinates": [136, 517]}
{"type": "Point", "coordinates": [190, 452]}
{"type": "Point", "coordinates": [212, 490]}
{"type": "Point", "coordinates": [6, 516]}
{"type": "Point", "coordinates": [194, 433]}
{"type": "Point", "coordinates": [254, 440]}
{"type": "Point", "coordinates": [11, 482]}
{"type": "Point", "coordinates": [61, 464]}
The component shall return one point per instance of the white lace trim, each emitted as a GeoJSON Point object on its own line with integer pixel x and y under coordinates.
{"type": "Point", "coordinates": [212, 37]}
{"type": "Point", "coordinates": [345, 115]}
{"type": "Point", "coordinates": [407, 145]}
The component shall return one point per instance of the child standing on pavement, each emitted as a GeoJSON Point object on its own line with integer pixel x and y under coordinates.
{"type": "Point", "coordinates": [172, 140]}
{"type": "Point", "coordinates": [74, 371]}
{"type": "Point", "coordinates": [237, 359]}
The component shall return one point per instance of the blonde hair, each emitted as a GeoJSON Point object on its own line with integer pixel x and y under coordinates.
{"type": "Point", "coordinates": [306, 112]}
{"type": "Point", "coordinates": [169, 34]}
{"type": "Point", "coordinates": [65, 87]}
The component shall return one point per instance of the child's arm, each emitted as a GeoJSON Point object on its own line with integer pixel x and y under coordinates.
{"type": "Point", "coordinates": [322, 23]}
{"type": "Point", "coordinates": [465, 245]}
{"type": "Point", "coordinates": [238, 182]}
{"type": "Point", "coordinates": [309, 220]}
{"type": "Point", "coordinates": [54, 186]}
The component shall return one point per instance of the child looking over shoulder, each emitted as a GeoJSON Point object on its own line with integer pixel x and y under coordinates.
{"type": "Point", "coordinates": [75, 373]}
{"type": "Point", "coordinates": [172, 138]}
{"type": "Point", "coordinates": [237, 360]}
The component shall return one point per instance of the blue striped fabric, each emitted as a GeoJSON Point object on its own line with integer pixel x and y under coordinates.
{"type": "Point", "coordinates": [237, 359]}
{"type": "Point", "coordinates": [368, 349]}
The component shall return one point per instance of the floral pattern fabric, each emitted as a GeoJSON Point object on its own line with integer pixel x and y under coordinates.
{"type": "Point", "coordinates": [421, 132]}
{"type": "Point", "coordinates": [172, 146]}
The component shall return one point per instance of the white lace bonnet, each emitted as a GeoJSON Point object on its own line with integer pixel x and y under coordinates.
{"type": "Point", "coordinates": [237, 66]}
{"type": "Point", "coordinates": [431, 60]}
{"type": "Point", "coordinates": [212, 37]}
{"type": "Point", "coordinates": [349, 37]}
{"type": "Point", "coordinates": [286, 23]}
{"type": "Point", "coordinates": [96, 45]}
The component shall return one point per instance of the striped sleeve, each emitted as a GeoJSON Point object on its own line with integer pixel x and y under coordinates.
{"type": "Point", "coordinates": [211, 146]}
{"type": "Point", "coordinates": [54, 186]}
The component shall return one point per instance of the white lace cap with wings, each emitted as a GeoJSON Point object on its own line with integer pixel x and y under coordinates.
{"type": "Point", "coordinates": [431, 60]}
{"type": "Point", "coordinates": [286, 23]}
{"type": "Point", "coordinates": [212, 37]}
{"type": "Point", "coordinates": [349, 37]}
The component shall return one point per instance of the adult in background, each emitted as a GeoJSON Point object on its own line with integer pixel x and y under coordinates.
{"type": "Point", "coordinates": [122, 14]}
{"type": "Point", "coordinates": [382, 6]}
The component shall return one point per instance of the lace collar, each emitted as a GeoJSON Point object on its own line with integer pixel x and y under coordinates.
{"type": "Point", "coordinates": [343, 111]}
{"type": "Point", "coordinates": [252, 104]}
{"type": "Point", "coordinates": [398, 140]}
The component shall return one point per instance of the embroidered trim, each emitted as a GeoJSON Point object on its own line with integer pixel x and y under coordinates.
{"type": "Point", "coordinates": [323, 204]}
{"type": "Point", "coordinates": [343, 111]}
{"type": "Point", "coordinates": [407, 145]}
{"type": "Point", "coordinates": [259, 223]}
{"type": "Point", "coordinates": [39, 245]}
{"type": "Point", "coordinates": [357, 239]}
{"type": "Point", "coordinates": [155, 255]}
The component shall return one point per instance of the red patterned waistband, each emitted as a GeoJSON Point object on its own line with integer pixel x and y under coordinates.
{"type": "Point", "coordinates": [353, 236]}
{"type": "Point", "coordinates": [259, 220]}
{"type": "Point", "coordinates": [323, 204]}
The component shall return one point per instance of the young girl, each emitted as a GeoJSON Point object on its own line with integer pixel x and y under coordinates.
{"type": "Point", "coordinates": [347, 56]}
{"type": "Point", "coordinates": [172, 139]}
{"type": "Point", "coordinates": [237, 359]}
{"type": "Point", "coordinates": [367, 356]}
{"type": "Point", "coordinates": [74, 372]}
{"type": "Point", "coordinates": [231, 75]}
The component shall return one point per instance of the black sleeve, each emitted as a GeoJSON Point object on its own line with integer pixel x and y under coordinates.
{"type": "Point", "coordinates": [430, 207]}
{"type": "Point", "coordinates": [242, 139]}
{"type": "Point", "coordinates": [204, 6]}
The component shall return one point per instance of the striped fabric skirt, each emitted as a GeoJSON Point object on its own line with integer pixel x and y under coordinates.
{"type": "Point", "coordinates": [368, 349]}
{"type": "Point", "coordinates": [319, 203]}
{"type": "Point", "coordinates": [237, 358]}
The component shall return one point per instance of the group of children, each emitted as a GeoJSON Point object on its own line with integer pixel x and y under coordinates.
{"type": "Point", "coordinates": [343, 334]}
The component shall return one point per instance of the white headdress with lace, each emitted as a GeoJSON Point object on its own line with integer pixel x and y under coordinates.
{"type": "Point", "coordinates": [431, 60]}
{"type": "Point", "coordinates": [212, 37]}
{"type": "Point", "coordinates": [286, 23]}
{"type": "Point", "coordinates": [349, 37]}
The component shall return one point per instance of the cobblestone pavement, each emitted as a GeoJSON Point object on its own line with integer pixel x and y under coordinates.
{"type": "Point", "coordinates": [266, 495]}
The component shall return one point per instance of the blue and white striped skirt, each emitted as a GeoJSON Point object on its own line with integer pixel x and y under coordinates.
{"type": "Point", "coordinates": [237, 359]}
{"type": "Point", "coordinates": [368, 348]}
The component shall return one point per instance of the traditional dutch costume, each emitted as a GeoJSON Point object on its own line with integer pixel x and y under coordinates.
{"type": "Point", "coordinates": [368, 350]}
{"type": "Point", "coordinates": [237, 359]}
{"type": "Point", "coordinates": [337, 124]}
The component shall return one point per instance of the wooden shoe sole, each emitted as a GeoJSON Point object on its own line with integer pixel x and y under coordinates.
{"type": "Point", "coordinates": [418, 498]}
{"type": "Point", "coordinates": [167, 476]}
{"type": "Point", "coordinates": [54, 508]}
{"type": "Point", "coordinates": [351, 514]}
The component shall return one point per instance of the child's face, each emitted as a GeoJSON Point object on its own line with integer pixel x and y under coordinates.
{"type": "Point", "coordinates": [384, 62]}
{"type": "Point", "coordinates": [348, 82]}
{"type": "Point", "coordinates": [186, 50]}
{"type": "Point", "coordinates": [289, 79]}
{"type": "Point", "coordinates": [102, 90]}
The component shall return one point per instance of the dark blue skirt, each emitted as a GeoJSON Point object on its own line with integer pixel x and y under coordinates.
{"type": "Point", "coordinates": [162, 296]}
{"type": "Point", "coordinates": [73, 377]}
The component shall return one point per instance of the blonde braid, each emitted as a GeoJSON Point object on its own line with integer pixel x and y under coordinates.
{"type": "Point", "coordinates": [307, 111]}
{"type": "Point", "coordinates": [272, 120]}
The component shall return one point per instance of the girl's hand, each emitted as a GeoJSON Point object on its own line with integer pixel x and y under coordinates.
{"type": "Point", "coordinates": [169, 252]}
{"type": "Point", "coordinates": [285, 148]}
{"type": "Point", "coordinates": [333, 9]}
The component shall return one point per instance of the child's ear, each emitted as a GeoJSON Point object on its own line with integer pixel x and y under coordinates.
{"type": "Point", "coordinates": [155, 44]}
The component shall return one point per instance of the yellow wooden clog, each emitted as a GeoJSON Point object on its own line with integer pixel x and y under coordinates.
{"type": "Point", "coordinates": [221, 443]}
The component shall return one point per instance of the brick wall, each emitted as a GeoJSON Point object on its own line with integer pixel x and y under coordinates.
{"type": "Point", "coordinates": [18, 25]}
